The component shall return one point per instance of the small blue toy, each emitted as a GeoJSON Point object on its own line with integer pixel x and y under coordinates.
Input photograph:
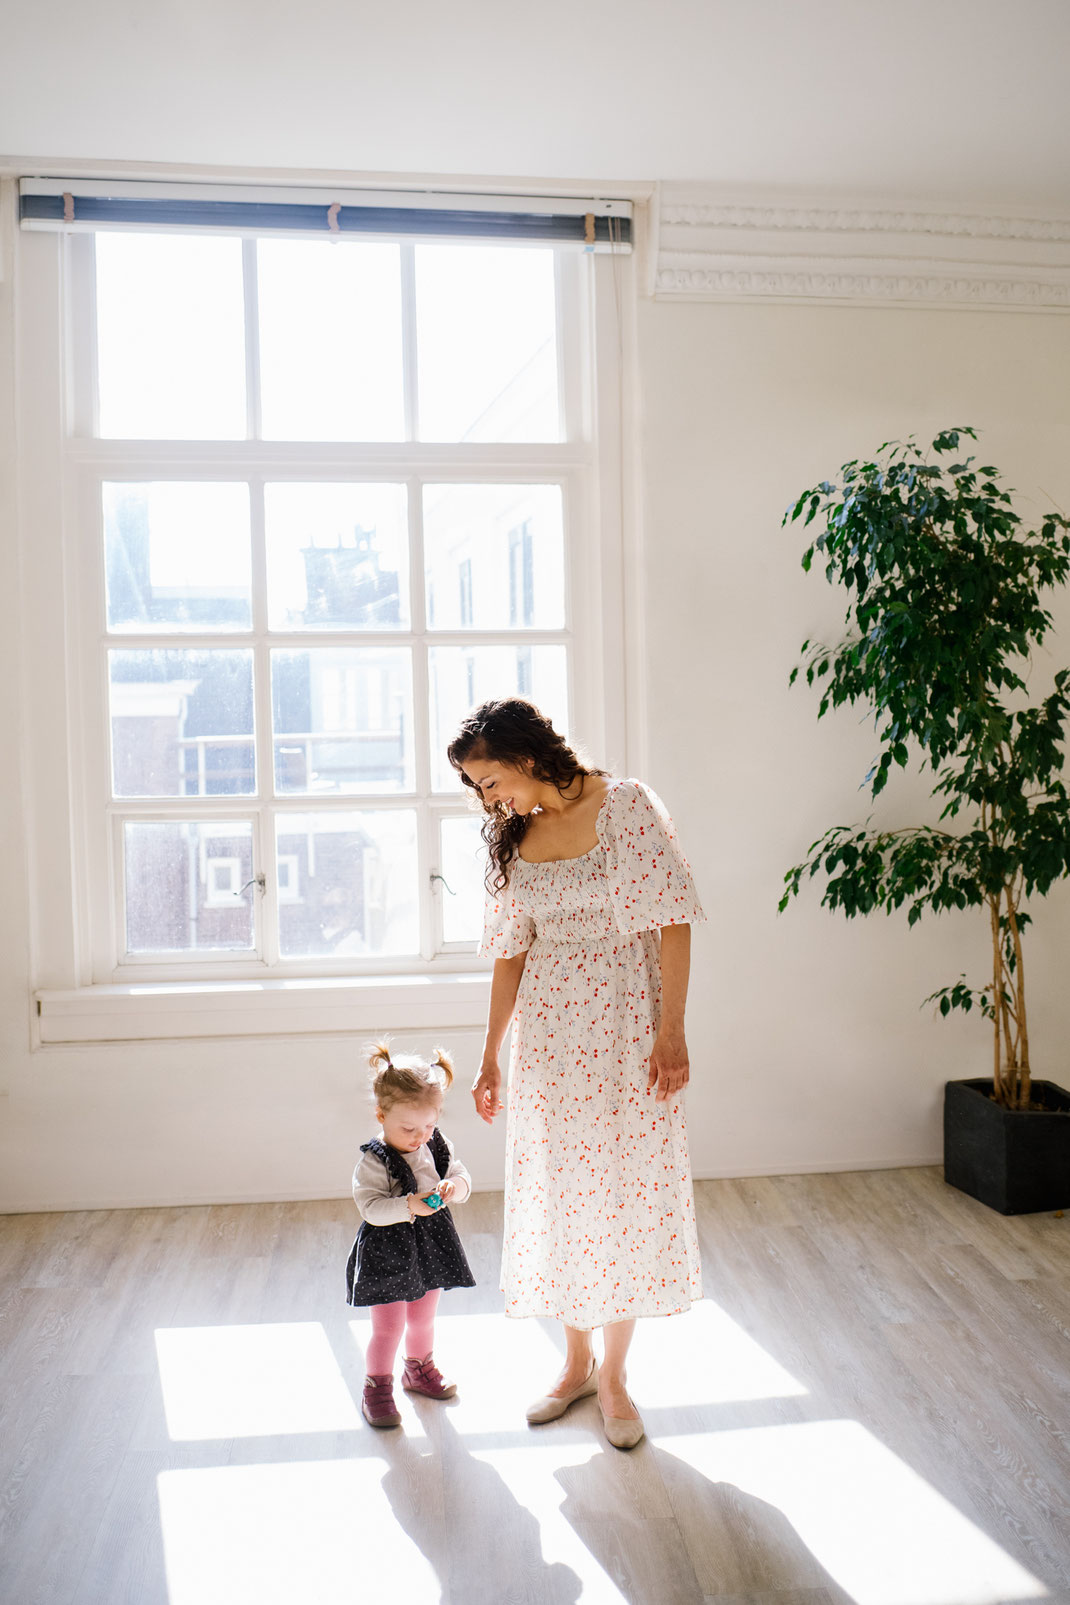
{"type": "Point", "coordinates": [434, 1200]}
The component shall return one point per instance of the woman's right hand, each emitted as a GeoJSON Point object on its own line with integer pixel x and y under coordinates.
{"type": "Point", "coordinates": [487, 1091]}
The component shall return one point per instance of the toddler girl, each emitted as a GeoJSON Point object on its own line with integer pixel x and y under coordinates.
{"type": "Point", "coordinates": [407, 1249]}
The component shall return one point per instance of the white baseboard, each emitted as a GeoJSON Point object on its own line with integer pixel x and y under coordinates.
{"type": "Point", "coordinates": [817, 1167]}
{"type": "Point", "coordinates": [188, 1201]}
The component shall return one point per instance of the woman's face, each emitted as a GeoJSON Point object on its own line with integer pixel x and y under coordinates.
{"type": "Point", "coordinates": [499, 782]}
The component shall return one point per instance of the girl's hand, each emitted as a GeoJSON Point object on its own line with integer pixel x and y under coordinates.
{"type": "Point", "coordinates": [487, 1091]}
{"type": "Point", "coordinates": [669, 1069]}
{"type": "Point", "coordinates": [418, 1207]}
{"type": "Point", "coordinates": [446, 1190]}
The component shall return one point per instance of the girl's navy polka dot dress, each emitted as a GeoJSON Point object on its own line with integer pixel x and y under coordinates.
{"type": "Point", "coordinates": [407, 1260]}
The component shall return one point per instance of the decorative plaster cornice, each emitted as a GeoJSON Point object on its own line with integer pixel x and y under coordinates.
{"type": "Point", "coordinates": [824, 220]}
{"type": "Point", "coordinates": [713, 247]}
{"type": "Point", "coordinates": [714, 283]}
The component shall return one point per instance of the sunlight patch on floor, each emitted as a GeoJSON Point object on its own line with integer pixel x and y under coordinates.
{"type": "Point", "coordinates": [530, 1475]}
{"type": "Point", "coordinates": [703, 1357]}
{"type": "Point", "coordinates": [320, 1531]}
{"type": "Point", "coordinates": [252, 1381]}
{"type": "Point", "coordinates": [499, 1366]}
{"type": "Point", "coordinates": [879, 1529]}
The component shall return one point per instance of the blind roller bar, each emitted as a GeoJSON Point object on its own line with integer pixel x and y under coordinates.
{"type": "Point", "coordinates": [90, 205]}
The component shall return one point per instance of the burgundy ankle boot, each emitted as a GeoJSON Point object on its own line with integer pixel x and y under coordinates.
{"type": "Point", "coordinates": [378, 1404]}
{"type": "Point", "coordinates": [423, 1376]}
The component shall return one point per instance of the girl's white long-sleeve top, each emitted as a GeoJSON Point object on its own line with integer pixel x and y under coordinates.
{"type": "Point", "coordinates": [381, 1202]}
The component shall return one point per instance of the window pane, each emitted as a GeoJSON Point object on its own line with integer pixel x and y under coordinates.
{"type": "Point", "coordinates": [177, 556]}
{"type": "Point", "coordinates": [460, 677]}
{"type": "Point", "coordinates": [351, 883]}
{"type": "Point", "coordinates": [182, 723]}
{"type": "Point", "coordinates": [494, 557]}
{"type": "Point", "coordinates": [330, 340]}
{"type": "Point", "coordinates": [342, 719]}
{"type": "Point", "coordinates": [170, 337]}
{"type": "Point", "coordinates": [464, 864]}
{"type": "Point", "coordinates": [337, 557]}
{"type": "Point", "coordinates": [487, 343]}
{"type": "Point", "coordinates": [184, 885]}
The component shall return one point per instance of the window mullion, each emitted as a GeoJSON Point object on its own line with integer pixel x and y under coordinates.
{"type": "Point", "coordinates": [425, 848]}
{"type": "Point", "coordinates": [573, 414]}
{"type": "Point", "coordinates": [264, 744]}
{"type": "Point", "coordinates": [409, 343]}
{"type": "Point", "coordinates": [265, 896]}
{"type": "Point", "coordinates": [252, 340]}
{"type": "Point", "coordinates": [425, 825]}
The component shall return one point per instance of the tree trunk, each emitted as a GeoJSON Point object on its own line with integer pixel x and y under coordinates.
{"type": "Point", "coordinates": [1023, 1087]}
{"type": "Point", "coordinates": [998, 1088]}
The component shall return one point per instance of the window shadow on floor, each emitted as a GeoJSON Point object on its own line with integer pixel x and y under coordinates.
{"type": "Point", "coordinates": [681, 1539]}
{"type": "Point", "coordinates": [483, 1544]}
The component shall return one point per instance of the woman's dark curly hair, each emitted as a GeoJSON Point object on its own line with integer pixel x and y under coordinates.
{"type": "Point", "coordinates": [511, 730]}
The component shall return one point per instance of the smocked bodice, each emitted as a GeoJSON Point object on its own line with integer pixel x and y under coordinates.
{"type": "Point", "coordinates": [568, 899]}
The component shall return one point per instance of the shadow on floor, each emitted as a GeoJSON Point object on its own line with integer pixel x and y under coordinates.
{"type": "Point", "coordinates": [484, 1545]}
{"type": "Point", "coordinates": [680, 1539]}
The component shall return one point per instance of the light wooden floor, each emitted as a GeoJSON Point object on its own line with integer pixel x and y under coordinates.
{"type": "Point", "coordinates": [871, 1406]}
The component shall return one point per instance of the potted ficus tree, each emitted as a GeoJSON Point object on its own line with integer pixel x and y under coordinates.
{"type": "Point", "coordinates": [944, 586]}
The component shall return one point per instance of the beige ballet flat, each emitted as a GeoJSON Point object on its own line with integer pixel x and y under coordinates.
{"type": "Point", "coordinates": [550, 1406]}
{"type": "Point", "coordinates": [623, 1432]}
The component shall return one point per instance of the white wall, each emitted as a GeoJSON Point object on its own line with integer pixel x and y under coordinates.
{"type": "Point", "coordinates": [810, 1050]}
{"type": "Point", "coordinates": [963, 99]}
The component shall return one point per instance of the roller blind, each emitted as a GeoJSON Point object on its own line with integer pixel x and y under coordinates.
{"type": "Point", "coordinates": [81, 204]}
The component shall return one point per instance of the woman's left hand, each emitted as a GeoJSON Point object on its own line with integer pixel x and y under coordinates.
{"type": "Point", "coordinates": [669, 1069]}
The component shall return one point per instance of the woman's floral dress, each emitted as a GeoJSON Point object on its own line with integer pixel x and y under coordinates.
{"type": "Point", "coordinates": [599, 1212]}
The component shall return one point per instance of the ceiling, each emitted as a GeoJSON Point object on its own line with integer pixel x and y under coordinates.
{"type": "Point", "coordinates": [955, 101]}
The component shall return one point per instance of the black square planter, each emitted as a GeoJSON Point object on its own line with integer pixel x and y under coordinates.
{"type": "Point", "coordinates": [1014, 1160]}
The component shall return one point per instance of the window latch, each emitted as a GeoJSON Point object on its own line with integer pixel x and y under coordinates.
{"type": "Point", "coordinates": [257, 880]}
{"type": "Point", "coordinates": [435, 876]}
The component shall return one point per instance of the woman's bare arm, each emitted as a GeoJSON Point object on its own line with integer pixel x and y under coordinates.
{"type": "Point", "coordinates": [669, 1067]}
{"type": "Point", "coordinates": [504, 985]}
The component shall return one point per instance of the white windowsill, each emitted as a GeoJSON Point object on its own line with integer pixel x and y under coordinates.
{"type": "Point", "coordinates": [301, 1006]}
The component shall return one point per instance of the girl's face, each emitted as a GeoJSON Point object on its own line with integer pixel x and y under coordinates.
{"type": "Point", "coordinates": [499, 782]}
{"type": "Point", "coordinates": [407, 1125]}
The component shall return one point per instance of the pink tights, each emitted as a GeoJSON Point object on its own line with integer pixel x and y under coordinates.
{"type": "Point", "coordinates": [389, 1321]}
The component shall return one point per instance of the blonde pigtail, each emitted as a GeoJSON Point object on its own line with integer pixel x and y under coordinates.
{"type": "Point", "coordinates": [378, 1055]}
{"type": "Point", "coordinates": [441, 1059]}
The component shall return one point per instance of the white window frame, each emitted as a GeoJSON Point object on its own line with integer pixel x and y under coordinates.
{"type": "Point", "coordinates": [79, 900]}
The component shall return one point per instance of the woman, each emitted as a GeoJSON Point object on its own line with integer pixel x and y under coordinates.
{"type": "Point", "coordinates": [588, 920]}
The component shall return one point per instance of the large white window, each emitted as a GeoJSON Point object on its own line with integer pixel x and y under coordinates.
{"type": "Point", "coordinates": [324, 496]}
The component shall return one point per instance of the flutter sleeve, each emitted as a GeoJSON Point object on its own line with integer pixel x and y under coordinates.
{"type": "Point", "coordinates": [507, 930]}
{"type": "Point", "coordinates": [650, 880]}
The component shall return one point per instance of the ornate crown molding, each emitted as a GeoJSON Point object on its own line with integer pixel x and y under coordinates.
{"type": "Point", "coordinates": [690, 283]}
{"type": "Point", "coordinates": [711, 248]}
{"type": "Point", "coordinates": [825, 220]}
